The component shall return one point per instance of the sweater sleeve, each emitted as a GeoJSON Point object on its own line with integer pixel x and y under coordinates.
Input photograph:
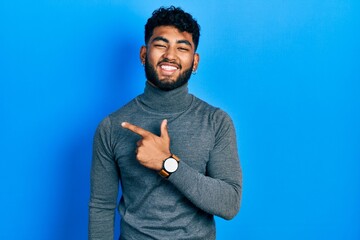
{"type": "Point", "coordinates": [218, 192]}
{"type": "Point", "coordinates": [104, 181]}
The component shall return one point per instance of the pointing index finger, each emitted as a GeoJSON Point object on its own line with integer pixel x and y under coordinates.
{"type": "Point", "coordinates": [138, 130]}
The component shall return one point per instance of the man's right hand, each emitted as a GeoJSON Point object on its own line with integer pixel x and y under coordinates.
{"type": "Point", "coordinates": [151, 150]}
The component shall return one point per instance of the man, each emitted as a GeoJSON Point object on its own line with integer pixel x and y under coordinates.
{"type": "Point", "coordinates": [174, 155]}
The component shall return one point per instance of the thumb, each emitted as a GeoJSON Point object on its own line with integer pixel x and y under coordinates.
{"type": "Point", "coordinates": [164, 130]}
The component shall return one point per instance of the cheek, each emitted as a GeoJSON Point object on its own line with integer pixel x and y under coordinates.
{"type": "Point", "coordinates": [149, 58]}
{"type": "Point", "coordinates": [154, 54]}
{"type": "Point", "coordinates": [187, 61]}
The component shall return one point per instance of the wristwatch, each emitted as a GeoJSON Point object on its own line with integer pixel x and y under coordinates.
{"type": "Point", "coordinates": [170, 165]}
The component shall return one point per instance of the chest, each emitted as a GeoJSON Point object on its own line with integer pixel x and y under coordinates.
{"type": "Point", "coordinates": [191, 139]}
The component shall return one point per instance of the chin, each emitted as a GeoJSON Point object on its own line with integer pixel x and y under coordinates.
{"type": "Point", "coordinates": [168, 80]}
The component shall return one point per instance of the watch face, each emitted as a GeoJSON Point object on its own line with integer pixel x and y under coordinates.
{"type": "Point", "coordinates": [171, 165]}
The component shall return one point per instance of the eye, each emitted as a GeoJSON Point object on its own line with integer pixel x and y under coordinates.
{"type": "Point", "coordinates": [183, 49]}
{"type": "Point", "coordinates": [160, 46]}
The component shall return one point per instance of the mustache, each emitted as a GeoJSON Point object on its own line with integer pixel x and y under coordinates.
{"type": "Point", "coordinates": [166, 60]}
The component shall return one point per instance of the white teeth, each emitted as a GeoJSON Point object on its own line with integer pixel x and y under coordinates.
{"type": "Point", "coordinates": [167, 67]}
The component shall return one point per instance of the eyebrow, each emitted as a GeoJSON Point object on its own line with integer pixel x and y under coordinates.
{"type": "Point", "coordinates": [185, 42]}
{"type": "Point", "coordinates": [159, 38]}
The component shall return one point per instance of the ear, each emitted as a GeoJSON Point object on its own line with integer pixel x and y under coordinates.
{"type": "Point", "coordinates": [143, 50]}
{"type": "Point", "coordinates": [196, 62]}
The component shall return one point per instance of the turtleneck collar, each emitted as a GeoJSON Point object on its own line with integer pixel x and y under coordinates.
{"type": "Point", "coordinates": [156, 100]}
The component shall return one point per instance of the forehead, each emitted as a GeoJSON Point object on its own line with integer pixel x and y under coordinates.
{"type": "Point", "coordinates": [171, 33]}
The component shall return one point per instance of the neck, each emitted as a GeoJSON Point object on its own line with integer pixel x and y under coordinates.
{"type": "Point", "coordinates": [155, 99]}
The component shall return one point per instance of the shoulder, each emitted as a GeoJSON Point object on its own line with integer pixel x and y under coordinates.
{"type": "Point", "coordinates": [216, 114]}
{"type": "Point", "coordinates": [220, 121]}
{"type": "Point", "coordinates": [112, 119]}
{"type": "Point", "coordinates": [127, 109]}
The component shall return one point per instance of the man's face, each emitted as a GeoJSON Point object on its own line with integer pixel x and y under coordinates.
{"type": "Point", "coordinates": [169, 58]}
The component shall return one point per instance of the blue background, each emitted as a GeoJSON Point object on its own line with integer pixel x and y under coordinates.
{"type": "Point", "coordinates": [287, 72]}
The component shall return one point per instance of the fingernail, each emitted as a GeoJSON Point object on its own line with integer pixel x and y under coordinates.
{"type": "Point", "coordinates": [123, 124]}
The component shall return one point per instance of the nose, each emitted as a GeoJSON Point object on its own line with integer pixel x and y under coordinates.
{"type": "Point", "coordinates": [170, 53]}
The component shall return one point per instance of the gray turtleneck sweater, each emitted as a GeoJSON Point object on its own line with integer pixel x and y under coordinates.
{"type": "Point", "coordinates": [208, 181]}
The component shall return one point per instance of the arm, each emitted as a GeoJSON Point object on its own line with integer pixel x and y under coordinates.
{"type": "Point", "coordinates": [219, 191]}
{"type": "Point", "coordinates": [104, 185]}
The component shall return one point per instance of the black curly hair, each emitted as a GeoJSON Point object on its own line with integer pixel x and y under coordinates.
{"type": "Point", "coordinates": [173, 16]}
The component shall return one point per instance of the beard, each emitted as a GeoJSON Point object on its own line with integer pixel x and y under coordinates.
{"type": "Point", "coordinates": [166, 84]}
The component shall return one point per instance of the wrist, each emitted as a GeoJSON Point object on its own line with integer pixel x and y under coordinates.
{"type": "Point", "coordinates": [169, 166]}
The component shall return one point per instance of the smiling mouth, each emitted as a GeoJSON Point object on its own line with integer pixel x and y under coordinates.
{"type": "Point", "coordinates": [168, 69]}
